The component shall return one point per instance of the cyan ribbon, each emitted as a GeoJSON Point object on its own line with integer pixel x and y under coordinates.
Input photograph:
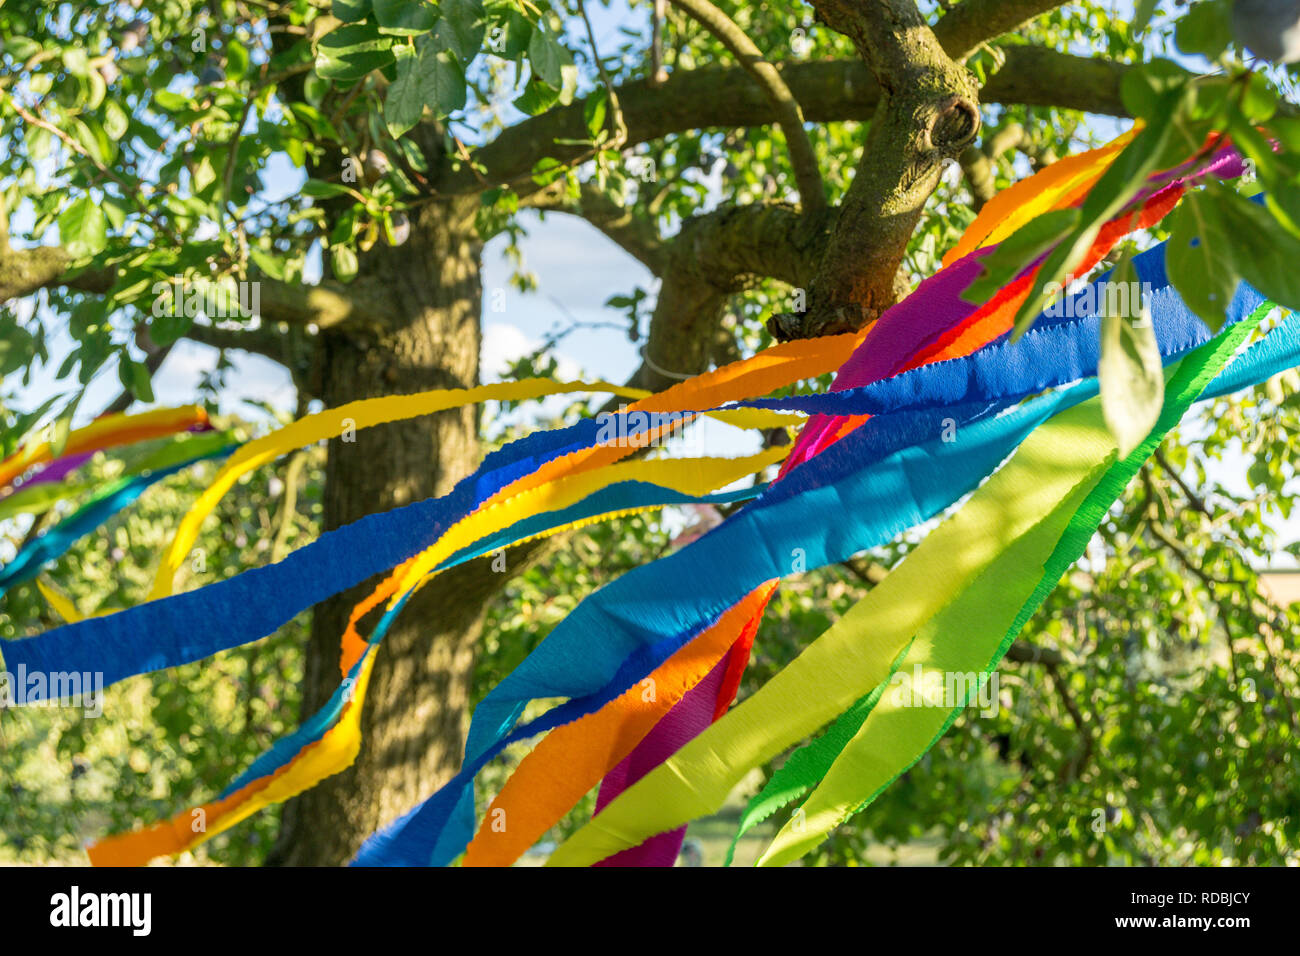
{"type": "Point", "coordinates": [55, 542]}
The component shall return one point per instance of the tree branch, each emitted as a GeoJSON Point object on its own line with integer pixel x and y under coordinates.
{"type": "Point", "coordinates": [807, 176]}
{"type": "Point", "coordinates": [980, 164]}
{"type": "Point", "coordinates": [713, 257]}
{"type": "Point", "coordinates": [728, 98]}
{"type": "Point", "coordinates": [928, 113]}
{"type": "Point", "coordinates": [152, 362]}
{"type": "Point", "coordinates": [325, 305]}
{"type": "Point", "coordinates": [261, 340]}
{"type": "Point", "coordinates": [1075, 765]}
{"type": "Point", "coordinates": [1023, 652]}
{"type": "Point", "coordinates": [131, 190]}
{"type": "Point", "coordinates": [973, 22]}
{"type": "Point", "coordinates": [26, 271]}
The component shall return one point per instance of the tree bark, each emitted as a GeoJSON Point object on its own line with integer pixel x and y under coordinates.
{"type": "Point", "coordinates": [413, 723]}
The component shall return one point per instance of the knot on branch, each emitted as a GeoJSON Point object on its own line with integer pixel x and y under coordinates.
{"type": "Point", "coordinates": [955, 125]}
{"type": "Point", "coordinates": [788, 326]}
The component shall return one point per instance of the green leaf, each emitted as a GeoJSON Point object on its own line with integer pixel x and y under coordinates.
{"type": "Point", "coordinates": [315, 88]}
{"type": "Point", "coordinates": [134, 377]}
{"type": "Point", "coordinates": [116, 211]}
{"type": "Point", "coordinates": [404, 102]}
{"type": "Point", "coordinates": [320, 189]}
{"type": "Point", "coordinates": [236, 60]}
{"type": "Point", "coordinates": [350, 11]}
{"type": "Point", "coordinates": [83, 230]}
{"type": "Point", "coordinates": [1199, 260]}
{"type": "Point", "coordinates": [1287, 130]}
{"type": "Point", "coordinates": [170, 100]}
{"type": "Point", "coordinates": [1144, 88]}
{"type": "Point", "coordinates": [21, 48]}
{"type": "Point", "coordinates": [1130, 370]}
{"type": "Point", "coordinates": [1279, 173]}
{"type": "Point", "coordinates": [510, 37]}
{"type": "Point", "coordinates": [17, 345]}
{"type": "Point", "coordinates": [75, 61]}
{"type": "Point", "coordinates": [95, 88]}
{"type": "Point", "coordinates": [1262, 250]}
{"type": "Point", "coordinates": [61, 428]}
{"type": "Point", "coordinates": [568, 82]}
{"type": "Point", "coordinates": [1204, 29]}
{"type": "Point", "coordinates": [548, 58]}
{"type": "Point", "coordinates": [462, 28]}
{"type": "Point", "coordinates": [348, 53]}
{"type": "Point", "coordinates": [270, 264]}
{"type": "Point", "coordinates": [1259, 101]}
{"type": "Point", "coordinates": [90, 134]}
{"type": "Point", "coordinates": [404, 17]}
{"type": "Point", "coordinates": [1210, 96]}
{"type": "Point", "coordinates": [345, 228]}
{"type": "Point", "coordinates": [1117, 186]}
{"type": "Point", "coordinates": [38, 142]}
{"type": "Point", "coordinates": [116, 120]}
{"type": "Point", "coordinates": [313, 119]}
{"type": "Point", "coordinates": [595, 109]}
{"type": "Point", "coordinates": [1142, 12]}
{"type": "Point", "coordinates": [204, 174]}
{"type": "Point", "coordinates": [124, 374]}
{"type": "Point", "coordinates": [167, 328]}
{"type": "Point", "coordinates": [429, 76]}
{"type": "Point", "coordinates": [547, 170]}
{"type": "Point", "coordinates": [537, 98]}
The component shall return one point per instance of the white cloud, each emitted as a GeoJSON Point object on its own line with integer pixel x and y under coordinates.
{"type": "Point", "coordinates": [504, 343]}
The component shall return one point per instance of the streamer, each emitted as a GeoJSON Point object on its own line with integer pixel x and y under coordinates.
{"type": "Point", "coordinates": [108, 431]}
{"type": "Point", "coordinates": [854, 656]}
{"type": "Point", "coordinates": [990, 614]}
{"type": "Point", "coordinates": [54, 542]}
{"type": "Point", "coordinates": [629, 621]}
{"type": "Point", "coordinates": [571, 760]}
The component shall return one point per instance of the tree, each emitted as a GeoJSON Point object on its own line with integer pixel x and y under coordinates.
{"type": "Point", "coordinates": [146, 133]}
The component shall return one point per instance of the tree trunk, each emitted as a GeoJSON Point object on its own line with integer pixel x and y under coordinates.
{"type": "Point", "coordinates": [414, 720]}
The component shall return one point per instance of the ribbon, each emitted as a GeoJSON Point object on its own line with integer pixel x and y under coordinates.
{"type": "Point", "coordinates": [572, 759]}
{"type": "Point", "coordinates": [855, 654]}
{"type": "Point", "coordinates": [106, 432]}
{"type": "Point", "coordinates": [650, 608]}
{"type": "Point", "coordinates": [57, 540]}
{"type": "Point", "coordinates": [992, 611]}
{"type": "Point", "coordinates": [376, 411]}
{"type": "Point", "coordinates": [299, 761]}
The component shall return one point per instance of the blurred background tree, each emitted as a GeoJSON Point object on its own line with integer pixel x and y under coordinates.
{"type": "Point", "coordinates": [352, 158]}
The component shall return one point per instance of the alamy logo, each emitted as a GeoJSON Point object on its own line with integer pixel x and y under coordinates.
{"type": "Point", "coordinates": [131, 910]}
{"type": "Point", "coordinates": [625, 429]}
{"type": "Point", "coordinates": [25, 688]}
{"type": "Point", "coordinates": [1126, 299]}
{"type": "Point", "coordinates": [948, 689]}
{"type": "Point", "coordinates": [225, 299]}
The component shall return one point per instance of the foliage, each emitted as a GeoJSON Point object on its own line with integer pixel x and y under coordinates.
{"type": "Point", "coordinates": [169, 739]}
{"type": "Point", "coordinates": [190, 140]}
